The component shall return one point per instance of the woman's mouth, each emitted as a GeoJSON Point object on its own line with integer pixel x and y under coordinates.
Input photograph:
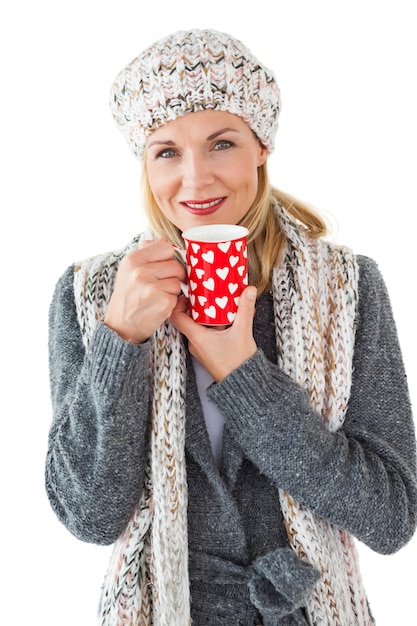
{"type": "Point", "coordinates": [203, 207]}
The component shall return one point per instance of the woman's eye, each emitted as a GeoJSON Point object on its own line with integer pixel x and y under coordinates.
{"type": "Point", "coordinates": [223, 144]}
{"type": "Point", "coordinates": [167, 153]}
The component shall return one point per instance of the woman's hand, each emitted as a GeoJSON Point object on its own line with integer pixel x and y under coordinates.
{"type": "Point", "coordinates": [146, 291]}
{"type": "Point", "coordinates": [220, 350]}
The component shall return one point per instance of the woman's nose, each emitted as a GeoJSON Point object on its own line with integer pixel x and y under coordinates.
{"type": "Point", "coordinates": [197, 172]}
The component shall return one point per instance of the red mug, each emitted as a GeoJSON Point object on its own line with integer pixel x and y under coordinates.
{"type": "Point", "coordinates": [217, 268]}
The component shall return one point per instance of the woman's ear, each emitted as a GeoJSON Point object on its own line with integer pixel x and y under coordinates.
{"type": "Point", "coordinates": [262, 154]}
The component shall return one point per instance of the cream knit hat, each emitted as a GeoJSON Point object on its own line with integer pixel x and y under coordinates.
{"type": "Point", "coordinates": [190, 71]}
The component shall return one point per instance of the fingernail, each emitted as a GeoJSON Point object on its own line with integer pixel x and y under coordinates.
{"type": "Point", "coordinates": [180, 251]}
{"type": "Point", "coordinates": [251, 293]}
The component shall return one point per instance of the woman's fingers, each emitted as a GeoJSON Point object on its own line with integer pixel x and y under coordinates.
{"type": "Point", "coordinates": [146, 289]}
{"type": "Point", "coordinates": [220, 350]}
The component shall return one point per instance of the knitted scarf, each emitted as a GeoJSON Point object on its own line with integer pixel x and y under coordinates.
{"type": "Point", "coordinates": [315, 305]}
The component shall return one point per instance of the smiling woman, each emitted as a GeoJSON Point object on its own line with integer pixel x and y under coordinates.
{"type": "Point", "coordinates": [239, 172]}
{"type": "Point", "coordinates": [232, 468]}
{"type": "Point", "coordinates": [203, 169]}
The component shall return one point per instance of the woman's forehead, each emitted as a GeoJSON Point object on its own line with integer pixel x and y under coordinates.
{"type": "Point", "coordinates": [199, 123]}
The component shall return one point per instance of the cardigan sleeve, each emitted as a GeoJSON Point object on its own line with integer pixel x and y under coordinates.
{"type": "Point", "coordinates": [362, 477]}
{"type": "Point", "coordinates": [97, 442]}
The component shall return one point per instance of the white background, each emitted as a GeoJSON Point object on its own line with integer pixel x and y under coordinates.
{"type": "Point", "coordinates": [346, 144]}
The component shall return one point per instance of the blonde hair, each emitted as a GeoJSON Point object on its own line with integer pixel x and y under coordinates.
{"type": "Point", "coordinates": [266, 239]}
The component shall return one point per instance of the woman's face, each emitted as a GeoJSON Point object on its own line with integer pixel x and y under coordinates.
{"type": "Point", "coordinates": [202, 168]}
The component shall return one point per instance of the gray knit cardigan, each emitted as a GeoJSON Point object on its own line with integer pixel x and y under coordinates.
{"type": "Point", "coordinates": [362, 478]}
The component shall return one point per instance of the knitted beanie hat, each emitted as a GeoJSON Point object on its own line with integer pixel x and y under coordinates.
{"type": "Point", "coordinates": [191, 71]}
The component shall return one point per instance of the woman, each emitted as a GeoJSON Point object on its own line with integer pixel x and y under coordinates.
{"type": "Point", "coordinates": [231, 467]}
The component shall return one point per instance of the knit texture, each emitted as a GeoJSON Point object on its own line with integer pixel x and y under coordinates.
{"type": "Point", "coordinates": [147, 580]}
{"type": "Point", "coordinates": [315, 299]}
{"type": "Point", "coordinates": [192, 71]}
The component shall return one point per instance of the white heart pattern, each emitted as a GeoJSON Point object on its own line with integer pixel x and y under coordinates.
{"type": "Point", "coordinates": [222, 272]}
{"type": "Point", "coordinates": [209, 284]}
{"type": "Point", "coordinates": [225, 283]}
{"type": "Point", "coordinates": [224, 246]}
{"type": "Point", "coordinates": [211, 311]}
{"type": "Point", "coordinates": [208, 256]}
{"type": "Point", "coordinates": [221, 302]}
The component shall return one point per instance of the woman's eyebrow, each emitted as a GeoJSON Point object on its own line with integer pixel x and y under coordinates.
{"type": "Point", "coordinates": [168, 142]}
{"type": "Point", "coordinates": [220, 132]}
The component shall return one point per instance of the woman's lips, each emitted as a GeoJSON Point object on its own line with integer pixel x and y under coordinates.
{"type": "Point", "coordinates": [203, 207]}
